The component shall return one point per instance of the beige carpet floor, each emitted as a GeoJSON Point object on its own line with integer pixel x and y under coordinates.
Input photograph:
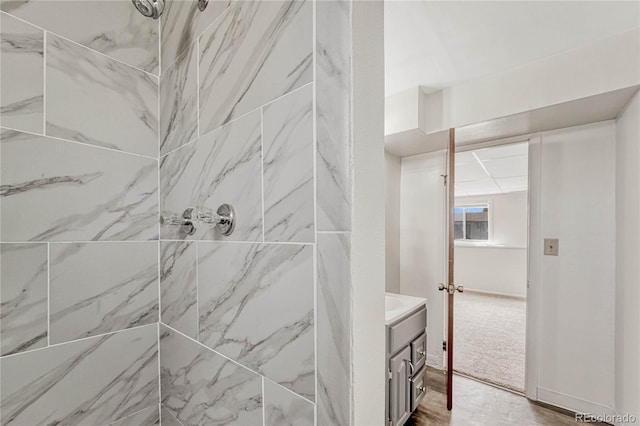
{"type": "Point", "coordinates": [489, 338]}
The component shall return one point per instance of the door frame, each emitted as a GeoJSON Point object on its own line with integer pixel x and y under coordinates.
{"type": "Point", "coordinates": [533, 246]}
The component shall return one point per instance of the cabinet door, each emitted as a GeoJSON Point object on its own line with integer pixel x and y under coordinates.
{"type": "Point", "coordinates": [399, 391]}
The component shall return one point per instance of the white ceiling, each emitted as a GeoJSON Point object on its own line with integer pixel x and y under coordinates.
{"type": "Point", "coordinates": [493, 170]}
{"type": "Point", "coordinates": [435, 44]}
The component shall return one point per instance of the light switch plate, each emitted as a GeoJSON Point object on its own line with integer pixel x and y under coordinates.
{"type": "Point", "coordinates": [551, 246]}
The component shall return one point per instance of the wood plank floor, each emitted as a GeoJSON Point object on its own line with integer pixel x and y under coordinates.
{"type": "Point", "coordinates": [479, 404]}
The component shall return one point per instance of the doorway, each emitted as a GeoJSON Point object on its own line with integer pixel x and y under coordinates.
{"type": "Point", "coordinates": [490, 232]}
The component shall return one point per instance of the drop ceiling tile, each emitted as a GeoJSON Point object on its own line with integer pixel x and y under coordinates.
{"type": "Point", "coordinates": [513, 184]}
{"type": "Point", "coordinates": [470, 172]}
{"type": "Point", "coordinates": [465, 157]}
{"type": "Point", "coordinates": [480, 187]}
{"type": "Point", "coordinates": [512, 150]}
{"type": "Point", "coordinates": [459, 192]}
{"type": "Point", "coordinates": [508, 167]}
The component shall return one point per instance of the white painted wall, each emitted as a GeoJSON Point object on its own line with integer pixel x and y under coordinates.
{"type": "Point", "coordinates": [367, 241]}
{"type": "Point", "coordinates": [576, 290]}
{"type": "Point", "coordinates": [627, 341]}
{"type": "Point", "coordinates": [500, 267]}
{"type": "Point", "coordinates": [609, 64]}
{"type": "Point", "coordinates": [422, 240]}
{"type": "Point", "coordinates": [492, 270]}
{"type": "Point", "coordinates": [404, 111]}
{"type": "Point", "coordinates": [392, 222]}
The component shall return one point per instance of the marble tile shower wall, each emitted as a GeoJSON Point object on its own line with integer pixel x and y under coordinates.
{"type": "Point", "coordinates": [79, 270]}
{"type": "Point", "coordinates": [243, 104]}
{"type": "Point", "coordinates": [255, 112]}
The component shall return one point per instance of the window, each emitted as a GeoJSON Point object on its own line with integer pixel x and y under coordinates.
{"type": "Point", "coordinates": [471, 223]}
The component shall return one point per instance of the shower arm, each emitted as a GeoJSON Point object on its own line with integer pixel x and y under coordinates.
{"type": "Point", "coordinates": [154, 8]}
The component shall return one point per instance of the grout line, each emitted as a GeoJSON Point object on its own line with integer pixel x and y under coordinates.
{"type": "Point", "coordinates": [197, 48]}
{"type": "Point", "coordinates": [159, 124]}
{"type": "Point", "coordinates": [215, 21]}
{"type": "Point", "coordinates": [159, 280]}
{"type": "Point", "coordinates": [159, 369]}
{"type": "Point", "coordinates": [48, 295]}
{"type": "Point", "coordinates": [197, 265]}
{"type": "Point", "coordinates": [227, 358]}
{"type": "Point", "coordinates": [264, 411]}
{"type": "Point", "coordinates": [44, 82]}
{"type": "Point", "coordinates": [128, 416]}
{"type": "Point", "coordinates": [82, 242]}
{"type": "Point", "coordinates": [78, 340]}
{"type": "Point", "coordinates": [174, 417]}
{"type": "Point", "coordinates": [206, 133]}
{"type": "Point", "coordinates": [79, 143]}
{"type": "Point", "coordinates": [82, 45]}
{"type": "Point", "coordinates": [287, 389]}
{"type": "Point", "coordinates": [314, 107]}
{"type": "Point", "coordinates": [334, 232]}
{"type": "Point", "coordinates": [159, 47]}
{"type": "Point", "coordinates": [262, 166]}
{"type": "Point", "coordinates": [294, 243]}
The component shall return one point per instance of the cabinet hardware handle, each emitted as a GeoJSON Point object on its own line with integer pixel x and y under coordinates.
{"type": "Point", "coordinates": [411, 367]}
{"type": "Point", "coordinates": [421, 388]}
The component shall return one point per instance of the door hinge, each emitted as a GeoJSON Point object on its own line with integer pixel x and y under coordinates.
{"type": "Point", "coordinates": [389, 375]}
{"type": "Point", "coordinates": [444, 345]}
{"type": "Point", "coordinates": [444, 177]}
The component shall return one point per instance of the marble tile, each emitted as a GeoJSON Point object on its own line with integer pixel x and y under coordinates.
{"type": "Point", "coordinates": [182, 24]}
{"type": "Point", "coordinates": [257, 308]}
{"type": "Point", "coordinates": [93, 99]}
{"type": "Point", "coordinates": [22, 69]}
{"type": "Point", "coordinates": [221, 167]}
{"type": "Point", "coordinates": [200, 387]}
{"type": "Point", "coordinates": [178, 297]}
{"type": "Point", "coordinates": [334, 319]}
{"type": "Point", "coordinates": [179, 106]}
{"type": "Point", "coordinates": [97, 288]}
{"type": "Point", "coordinates": [148, 417]}
{"type": "Point", "coordinates": [23, 297]}
{"type": "Point", "coordinates": [114, 28]}
{"type": "Point", "coordinates": [284, 408]}
{"type": "Point", "coordinates": [256, 52]}
{"type": "Point", "coordinates": [54, 190]}
{"type": "Point", "coordinates": [288, 168]}
{"type": "Point", "coordinates": [52, 386]}
{"type": "Point", "coordinates": [333, 115]}
{"type": "Point", "coordinates": [168, 419]}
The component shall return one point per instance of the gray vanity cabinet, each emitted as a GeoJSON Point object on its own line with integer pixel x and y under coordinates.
{"type": "Point", "coordinates": [399, 391]}
{"type": "Point", "coordinates": [406, 356]}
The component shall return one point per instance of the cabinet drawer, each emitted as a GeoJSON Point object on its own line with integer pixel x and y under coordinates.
{"type": "Point", "coordinates": [402, 333]}
{"type": "Point", "coordinates": [419, 351]}
{"type": "Point", "coordinates": [418, 388]}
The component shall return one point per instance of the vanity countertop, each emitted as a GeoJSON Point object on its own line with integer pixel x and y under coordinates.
{"type": "Point", "coordinates": [397, 306]}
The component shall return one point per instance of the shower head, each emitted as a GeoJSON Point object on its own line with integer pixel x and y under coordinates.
{"type": "Point", "coordinates": [149, 8]}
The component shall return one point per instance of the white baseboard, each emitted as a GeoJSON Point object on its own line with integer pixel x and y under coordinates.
{"type": "Point", "coordinates": [495, 293]}
{"type": "Point", "coordinates": [572, 403]}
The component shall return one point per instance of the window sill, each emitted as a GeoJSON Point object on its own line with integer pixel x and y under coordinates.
{"type": "Point", "coordinates": [483, 244]}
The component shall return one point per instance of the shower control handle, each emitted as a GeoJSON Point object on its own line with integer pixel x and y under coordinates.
{"type": "Point", "coordinates": [192, 218]}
